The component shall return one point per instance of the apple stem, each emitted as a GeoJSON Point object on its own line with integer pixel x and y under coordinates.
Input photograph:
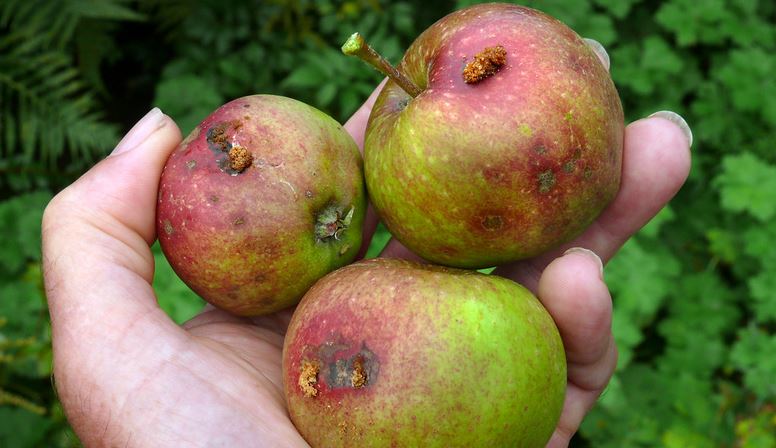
{"type": "Point", "coordinates": [357, 46]}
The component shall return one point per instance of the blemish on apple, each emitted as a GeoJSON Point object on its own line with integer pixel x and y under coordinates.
{"type": "Point", "coordinates": [355, 372]}
{"type": "Point", "coordinates": [168, 229]}
{"type": "Point", "coordinates": [546, 181]}
{"type": "Point", "coordinates": [492, 223]}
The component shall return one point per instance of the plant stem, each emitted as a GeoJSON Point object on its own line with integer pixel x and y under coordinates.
{"type": "Point", "coordinates": [357, 46]}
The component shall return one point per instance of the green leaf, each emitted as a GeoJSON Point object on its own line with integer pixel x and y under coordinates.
{"type": "Point", "coordinates": [752, 354]}
{"type": "Point", "coordinates": [174, 297]}
{"type": "Point", "coordinates": [379, 241]}
{"type": "Point", "coordinates": [20, 428]}
{"type": "Point", "coordinates": [640, 280]}
{"type": "Point", "coordinates": [305, 76]}
{"type": "Point", "coordinates": [188, 100]}
{"type": "Point", "coordinates": [20, 219]}
{"type": "Point", "coordinates": [747, 184]}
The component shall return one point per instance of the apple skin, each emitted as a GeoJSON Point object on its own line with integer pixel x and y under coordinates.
{"type": "Point", "coordinates": [476, 175]}
{"type": "Point", "coordinates": [246, 242]}
{"type": "Point", "coordinates": [451, 358]}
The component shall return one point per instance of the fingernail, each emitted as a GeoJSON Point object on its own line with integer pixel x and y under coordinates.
{"type": "Point", "coordinates": [589, 253]}
{"type": "Point", "coordinates": [676, 119]}
{"type": "Point", "coordinates": [599, 50]}
{"type": "Point", "coordinates": [152, 121]}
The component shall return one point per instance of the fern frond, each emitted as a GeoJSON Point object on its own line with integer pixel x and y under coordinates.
{"type": "Point", "coordinates": [47, 110]}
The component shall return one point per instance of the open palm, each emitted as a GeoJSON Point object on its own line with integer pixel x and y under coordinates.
{"type": "Point", "coordinates": [127, 375]}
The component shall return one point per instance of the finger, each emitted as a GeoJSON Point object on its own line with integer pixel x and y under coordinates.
{"type": "Point", "coordinates": [98, 266]}
{"type": "Point", "coordinates": [656, 162]}
{"type": "Point", "coordinates": [576, 405]}
{"type": "Point", "coordinates": [599, 50]}
{"type": "Point", "coordinates": [356, 124]}
{"type": "Point", "coordinates": [395, 249]}
{"type": "Point", "coordinates": [356, 127]}
{"type": "Point", "coordinates": [574, 293]}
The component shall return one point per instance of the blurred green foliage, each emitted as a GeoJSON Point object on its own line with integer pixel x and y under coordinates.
{"type": "Point", "coordinates": [694, 292]}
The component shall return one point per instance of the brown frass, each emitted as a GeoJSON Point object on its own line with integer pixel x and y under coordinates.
{"type": "Point", "coordinates": [486, 63]}
{"type": "Point", "coordinates": [358, 377]}
{"type": "Point", "coordinates": [239, 158]}
{"type": "Point", "coordinates": [308, 378]}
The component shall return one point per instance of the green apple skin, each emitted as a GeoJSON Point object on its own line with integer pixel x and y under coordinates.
{"type": "Point", "coordinates": [246, 241]}
{"type": "Point", "coordinates": [452, 358]}
{"type": "Point", "coordinates": [475, 175]}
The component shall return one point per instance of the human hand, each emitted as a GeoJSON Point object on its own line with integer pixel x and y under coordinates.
{"type": "Point", "coordinates": [126, 374]}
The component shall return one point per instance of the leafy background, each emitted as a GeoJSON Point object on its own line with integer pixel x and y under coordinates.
{"type": "Point", "coordinates": [694, 292]}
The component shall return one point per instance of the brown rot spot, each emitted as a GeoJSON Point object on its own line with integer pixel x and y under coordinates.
{"type": "Point", "coordinates": [492, 223]}
{"type": "Point", "coordinates": [168, 227]}
{"type": "Point", "coordinates": [308, 378]}
{"type": "Point", "coordinates": [546, 181]}
{"type": "Point", "coordinates": [191, 164]}
{"type": "Point", "coordinates": [486, 63]}
{"type": "Point", "coordinates": [239, 158]}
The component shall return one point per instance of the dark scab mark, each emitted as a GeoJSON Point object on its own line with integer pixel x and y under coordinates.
{"type": "Point", "coordinates": [308, 194]}
{"type": "Point", "coordinates": [588, 173]}
{"type": "Point", "coordinates": [217, 139]}
{"type": "Point", "coordinates": [358, 371]}
{"type": "Point", "coordinates": [214, 199]}
{"type": "Point", "coordinates": [568, 167]}
{"type": "Point", "coordinates": [492, 223]}
{"type": "Point", "coordinates": [238, 221]}
{"type": "Point", "coordinates": [540, 149]}
{"type": "Point", "coordinates": [191, 164]}
{"type": "Point", "coordinates": [168, 229]}
{"type": "Point", "coordinates": [546, 181]}
{"type": "Point", "coordinates": [401, 105]}
{"type": "Point", "coordinates": [246, 105]}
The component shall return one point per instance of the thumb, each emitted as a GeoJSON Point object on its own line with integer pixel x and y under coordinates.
{"type": "Point", "coordinates": [97, 263]}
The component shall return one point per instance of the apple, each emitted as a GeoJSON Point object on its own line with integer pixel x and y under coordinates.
{"type": "Point", "coordinates": [386, 352]}
{"type": "Point", "coordinates": [498, 137]}
{"type": "Point", "coordinates": [262, 199]}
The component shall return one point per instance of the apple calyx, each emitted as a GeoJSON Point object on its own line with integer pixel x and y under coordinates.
{"type": "Point", "coordinates": [331, 222]}
{"type": "Point", "coordinates": [485, 64]}
{"type": "Point", "coordinates": [357, 46]}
